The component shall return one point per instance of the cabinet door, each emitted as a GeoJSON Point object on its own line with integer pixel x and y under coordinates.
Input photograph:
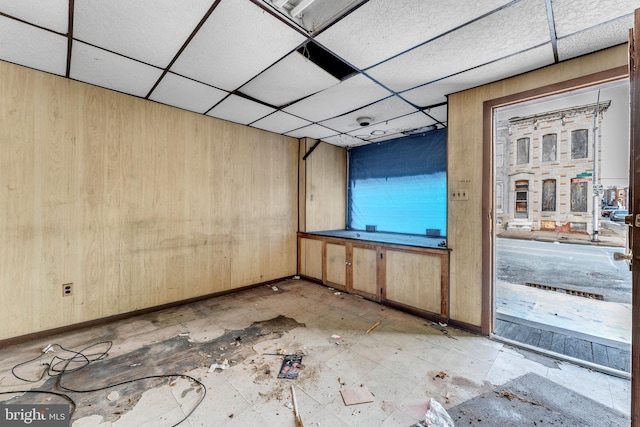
{"type": "Point", "coordinates": [311, 258]}
{"type": "Point", "coordinates": [415, 280]}
{"type": "Point", "coordinates": [336, 264]}
{"type": "Point", "coordinates": [364, 270]}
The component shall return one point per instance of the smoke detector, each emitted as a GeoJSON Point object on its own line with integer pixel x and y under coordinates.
{"type": "Point", "coordinates": [364, 121]}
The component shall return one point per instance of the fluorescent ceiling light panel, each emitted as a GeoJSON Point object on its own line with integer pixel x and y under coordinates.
{"type": "Point", "coordinates": [339, 99]}
{"type": "Point", "coordinates": [280, 122]}
{"type": "Point", "coordinates": [301, 7]}
{"type": "Point", "coordinates": [240, 110]}
{"type": "Point", "coordinates": [32, 47]}
{"type": "Point", "coordinates": [183, 93]}
{"type": "Point", "coordinates": [291, 79]}
{"type": "Point", "coordinates": [51, 14]}
{"type": "Point", "coordinates": [150, 31]}
{"type": "Point", "coordinates": [380, 29]}
{"type": "Point", "coordinates": [238, 41]}
{"type": "Point", "coordinates": [479, 43]}
{"type": "Point", "coordinates": [101, 68]}
{"type": "Point", "coordinates": [312, 15]}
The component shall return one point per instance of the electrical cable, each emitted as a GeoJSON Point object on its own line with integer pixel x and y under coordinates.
{"type": "Point", "coordinates": [54, 369]}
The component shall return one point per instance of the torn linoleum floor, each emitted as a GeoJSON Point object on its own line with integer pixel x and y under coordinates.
{"type": "Point", "coordinates": [404, 362]}
{"type": "Point", "coordinates": [125, 378]}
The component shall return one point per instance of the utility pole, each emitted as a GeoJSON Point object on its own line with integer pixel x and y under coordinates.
{"type": "Point", "coordinates": [597, 187]}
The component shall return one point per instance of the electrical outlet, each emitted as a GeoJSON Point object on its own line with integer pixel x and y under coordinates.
{"type": "Point", "coordinates": [67, 289]}
{"type": "Point", "coordinates": [459, 194]}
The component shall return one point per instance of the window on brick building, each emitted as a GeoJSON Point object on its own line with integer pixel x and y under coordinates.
{"type": "Point", "coordinates": [579, 147]}
{"type": "Point", "coordinates": [549, 195]}
{"type": "Point", "coordinates": [578, 196]}
{"type": "Point", "coordinates": [522, 151]}
{"type": "Point", "coordinates": [550, 147]}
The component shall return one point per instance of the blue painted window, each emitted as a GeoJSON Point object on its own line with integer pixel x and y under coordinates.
{"type": "Point", "coordinates": [400, 186]}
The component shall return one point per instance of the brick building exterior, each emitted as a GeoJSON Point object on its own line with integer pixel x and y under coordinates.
{"type": "Point", "coordinates": [544, 168]}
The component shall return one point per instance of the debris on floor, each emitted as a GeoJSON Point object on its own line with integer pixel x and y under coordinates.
{"type": "Point", "coordinates": [275, 288]}
{"type": "Point", "coordinates": [375, 325]}
{"type": "Point", "coordinates": [442, 327]}
{"type": "Point", "coordinates": [291, 366]}
{"type": "Point", "coordinates": [295, 408]}
{"type": "Point", "coordinates": [355, 396]}
{"type": "Point", "coordinates": [224, 365]}
{"type": "Point", "coordinates": [511, 395]}
{"type": "Point", "coordinates": [442, 375]}
{"type": "Point", "coordinates": [114, 395]}
{"type": "Point", "coordinates": [437, 416]}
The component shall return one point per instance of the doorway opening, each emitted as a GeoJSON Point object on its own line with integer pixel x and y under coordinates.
{"type": "Point", "coordinates": [560, 185]}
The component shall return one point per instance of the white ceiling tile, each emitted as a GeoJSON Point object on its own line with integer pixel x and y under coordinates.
{"type": "Point", "coordinates": [597, 38]}
{"type": "Point", "coordinates": [344, 140]}
{"type": "Point", "coordinates": [479, 43]}
{"type": "Point", "coordinates": [51, 14]}
{"type": "Point", "coordinates": [436, 92]}
{"type": "Point", "coordinates": [312, 131]}
{"type": "Point", "coordinates": [32, 47]}
{"type": "Point", "coordinates": [238, 41]}
{"type": "Point", "coordinates": [101, 68]}
{"type": "Point", "coordinates": [188, 94]}
{"type": "Point", "coordinates": [571, 16]}
{"type": "Point", "coordinates": [289, 80]}
{"type": "Point", "coordinates": [349, 95]}
{"type": "Point", "coordinates": [240, 110]}
{"type": "Point", "coordinates": [393, 127]}
{"type": "Point", "coordinates": [439, 113]}
{"type": "Point", "coordinates": [280, 122]}
{"type": "Point", "coordinates": [150, 31]}
{"type": "Point", "coordinates": [386, 109]}
{"type": "Point", "coordinates": [381, 29]}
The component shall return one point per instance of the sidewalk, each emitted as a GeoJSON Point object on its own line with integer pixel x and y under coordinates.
{"type": "Point", "coordinates": [610, 234]}
{"type": "Point", "coordinates": [602, 321]}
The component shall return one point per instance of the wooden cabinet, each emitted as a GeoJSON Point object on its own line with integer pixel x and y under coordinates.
{"type": "Point", "coordinates": [337, 263]}
{"type": "Point", "coordinates": [412, 278]}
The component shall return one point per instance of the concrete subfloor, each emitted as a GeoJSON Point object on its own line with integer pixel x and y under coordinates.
{"type": "Point", "coordinates": [404, 362]}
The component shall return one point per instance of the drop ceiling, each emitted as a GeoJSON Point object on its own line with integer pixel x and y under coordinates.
{"type": "Point", "coordinates": [306, 68]}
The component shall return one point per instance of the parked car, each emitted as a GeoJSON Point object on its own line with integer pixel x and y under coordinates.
{"type": "Point", "coordinates": [619, 215]}
{"type": "Point", "coordinates": [606, 211]}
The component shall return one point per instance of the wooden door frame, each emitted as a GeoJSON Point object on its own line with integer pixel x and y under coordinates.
{"type": "Point", "coordinates": [488, 256]}
{"type": "Point", "coordinates": [634, 204]}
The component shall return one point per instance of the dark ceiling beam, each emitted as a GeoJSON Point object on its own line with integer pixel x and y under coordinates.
{"type": "Point", "coordinates": [70, 38]}
{"type": "Point", "coordinates": [184, 45]}
{"type": "Point", "coordinates": [552, 31]}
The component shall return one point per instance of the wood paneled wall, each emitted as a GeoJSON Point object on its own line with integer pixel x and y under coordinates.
{"type": "Point", "coordinates": [323, 187]}
{"type": "Point", "coordinates": [136, 203]}
{"type": "Point", "coordinates": [465, 170]}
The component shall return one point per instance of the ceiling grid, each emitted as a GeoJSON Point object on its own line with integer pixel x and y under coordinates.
{"type": "Point", "coordinates": [306, 68]}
